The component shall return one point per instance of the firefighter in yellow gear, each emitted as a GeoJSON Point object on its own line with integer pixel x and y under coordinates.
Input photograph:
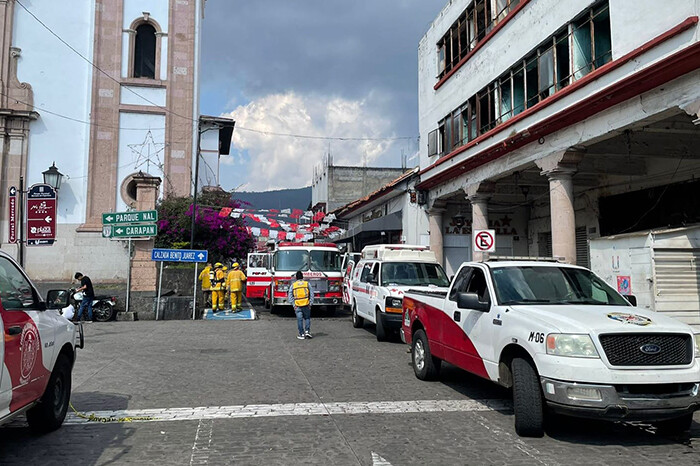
{"type": "Point", "coordinates": [204, 277]}
{"type": "Point", "coordinates": [234, 284]}
{"type": "Point", "coordinates": [218, 288]}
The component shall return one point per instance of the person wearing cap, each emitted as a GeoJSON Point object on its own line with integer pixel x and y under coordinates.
{"type": "Point", "coordinates": [301, 297]}
{"type": "Point", "coordinates": [218, 288]}
{"type": "Point", "coordinates": [234, 284]}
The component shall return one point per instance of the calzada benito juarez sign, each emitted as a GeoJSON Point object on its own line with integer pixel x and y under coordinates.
{"type": "Point", "coordinates": [136, 224]}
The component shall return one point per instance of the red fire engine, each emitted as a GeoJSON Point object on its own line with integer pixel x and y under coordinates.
{"type": "Point", "coordinates": [321, 265]}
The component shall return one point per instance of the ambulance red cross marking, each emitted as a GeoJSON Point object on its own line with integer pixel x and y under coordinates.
{"type": "Point", "coordinates": [484, 241]}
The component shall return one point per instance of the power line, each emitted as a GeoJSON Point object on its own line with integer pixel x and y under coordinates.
{"type": "Point", "coordinates": [326, 138]}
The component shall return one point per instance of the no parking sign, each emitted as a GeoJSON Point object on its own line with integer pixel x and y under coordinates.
{"type": "Point", "coordinates": [484, 240]}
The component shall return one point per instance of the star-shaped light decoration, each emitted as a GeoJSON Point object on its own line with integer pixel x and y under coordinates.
{"type": "Point", "coordinates": [148, 153]}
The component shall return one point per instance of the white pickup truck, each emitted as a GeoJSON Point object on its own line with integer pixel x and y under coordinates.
{"type": "Point", "coordinates": [562, 339]}
{"type": "Point", "coordinates": [37, 351]}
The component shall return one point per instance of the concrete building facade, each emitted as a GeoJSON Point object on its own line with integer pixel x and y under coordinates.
{"type": "Point", "coordinates": [108, 90]}
{"type": "Point", "coordinates": [557, 122]}
{"type": "Point", "coordinates": [335, 186]}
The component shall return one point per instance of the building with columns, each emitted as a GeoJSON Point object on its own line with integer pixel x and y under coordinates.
{"type": "Point", "coordinates": [555, 123]}
{"type": "Point", "coordinates": [108, 90]}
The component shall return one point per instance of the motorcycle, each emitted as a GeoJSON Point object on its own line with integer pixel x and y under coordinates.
{"type": "Point", "coordinates": [102, 306]}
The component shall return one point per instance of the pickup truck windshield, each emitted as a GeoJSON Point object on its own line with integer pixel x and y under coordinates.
{"type": "Point", "coordinates": [413, 274]}
{"type": "Point", "coordinates": [322, 261]}
{"type": "Point", "coordinates": [552, 285]}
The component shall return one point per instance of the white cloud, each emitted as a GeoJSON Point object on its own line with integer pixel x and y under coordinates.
{"type": "Point", "coordinates": [275, 162]}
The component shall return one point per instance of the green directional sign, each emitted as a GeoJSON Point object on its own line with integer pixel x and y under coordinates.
{"type": "Point", "coordinates": [129, 231]}
{"type": "Point", "coordinates": [138, 216]}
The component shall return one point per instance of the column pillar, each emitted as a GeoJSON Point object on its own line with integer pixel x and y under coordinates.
{"type": "Point", "coordinates": [479, 195]}
{"type": "Point", "coordinates": [435, 229]}
{"type": "Point", "coordinates": [560, 169]}
{"type": "Point", "coordinates": [143, 269]}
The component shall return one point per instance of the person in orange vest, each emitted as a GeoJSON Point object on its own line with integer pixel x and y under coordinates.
{"type": "Point", "coordinates": [218, 288]}
{"type": "Point", "coordinates": [204, 277]}
{"type": "Point", "coordinates": [301, 297]}
{"type": "Point", "coordinates": [234, 284]}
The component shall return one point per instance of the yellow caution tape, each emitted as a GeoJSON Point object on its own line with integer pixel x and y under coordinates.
{"type": "Point", "coordinates": [92, 418]}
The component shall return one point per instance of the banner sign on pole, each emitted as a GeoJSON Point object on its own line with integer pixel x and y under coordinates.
{"type": "Point", "coordinates": [179, 255]}
{"type": "Point", "coordinates": [41, 215]}
{"type": "Point", "coordinates": [13, 215]}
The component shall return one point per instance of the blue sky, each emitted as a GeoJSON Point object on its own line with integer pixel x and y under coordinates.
{"type": "Point", "coordinates": [312, 67]}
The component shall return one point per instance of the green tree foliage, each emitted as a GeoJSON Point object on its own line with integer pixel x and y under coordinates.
{"type": "Point", "coordinates": [223, 237]}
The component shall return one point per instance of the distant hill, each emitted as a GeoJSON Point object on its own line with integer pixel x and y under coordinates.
{"type": "Point", "coordinates": [299, 198]}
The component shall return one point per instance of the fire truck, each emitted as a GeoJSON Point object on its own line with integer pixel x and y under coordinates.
{"type": "Point", "coordinates": [321, 265]}
{"type": "Point", "coordinates": [259, 275]}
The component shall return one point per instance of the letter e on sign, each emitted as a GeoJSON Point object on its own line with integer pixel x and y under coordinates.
{"type": "Point", "coordinates": [484, 240]}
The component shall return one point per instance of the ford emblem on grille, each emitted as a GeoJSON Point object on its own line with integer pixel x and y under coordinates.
{"type": "Point", "coordinates": [650, 348]}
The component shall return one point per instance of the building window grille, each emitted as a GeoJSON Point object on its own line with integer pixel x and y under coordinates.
{"type": "Point", "coordinates": [471, 27]}
{"type": "Point", "coordinates": [145, 52]}
{"type": "Point", "coordinates": [577, 49]}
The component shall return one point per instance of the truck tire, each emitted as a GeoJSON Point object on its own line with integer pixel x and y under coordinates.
{"type": "Point", "coordinates": [49, 414]}
{"type": "Point", "coordinates": [103, 312]}
{"type": "Point", "coordinates": [357, 321]}
{"type": "Point", "coordinates": [675, 426]}
{"type": "Point", "coordinates": [381, 333]}
{"type": "Point", "coordinates": [527, 399]}
{"type": "Point", "coordinates": [425, 365]}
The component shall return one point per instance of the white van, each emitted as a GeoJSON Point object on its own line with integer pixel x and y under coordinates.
{"type": "Point", "coordinates": [382, 276]}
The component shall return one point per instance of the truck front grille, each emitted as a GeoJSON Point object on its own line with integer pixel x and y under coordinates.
{"type": "Point", "coordinates": [625, 349]}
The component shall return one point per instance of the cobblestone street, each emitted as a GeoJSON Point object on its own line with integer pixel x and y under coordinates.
{"type": "Point", "coordinates": [227, 392]}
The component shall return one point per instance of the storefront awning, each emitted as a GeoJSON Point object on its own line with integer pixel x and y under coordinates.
{"type": "Point", "coordinates": [391, 222]}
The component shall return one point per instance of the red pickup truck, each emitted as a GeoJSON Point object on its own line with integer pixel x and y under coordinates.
{"type": "Point", "coordinates": [37, 351]}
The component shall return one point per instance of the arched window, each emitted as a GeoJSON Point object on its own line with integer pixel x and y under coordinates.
{"type": "Point", "coordinates": [145, 52]}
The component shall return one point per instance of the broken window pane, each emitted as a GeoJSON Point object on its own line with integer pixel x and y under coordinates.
{"type": "Point", "coordinates": [518, 90]}
{"type": "Point", "coordinates": [531, 81]}
{"type": "Point", "coordinates": [441, 59]}
{"type": "Point", "coordinates": [582, 47]}
{"type": "Point", "coordinates": [563, 59]}
{"type": "Point", "coordinates": [601, 34]}
{"type": "Point", "coordinates": [506, 100]}
{"type": "Point", "coordinates": [545, 69]}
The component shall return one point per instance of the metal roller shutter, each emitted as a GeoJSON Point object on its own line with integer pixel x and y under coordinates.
{"type": "Point", "coordinates": [677, 282]}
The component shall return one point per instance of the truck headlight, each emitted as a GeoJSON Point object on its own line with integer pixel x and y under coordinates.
{"type": "Point", "coordinates": [282, 286]}
{"type": "Point", "coordinates": [334, 286]}
{"type": "Point", "coordinates": [573, 346]}
{"type": "Point", "coordinates": [697, 346]}
{"type": "Point", "coordinates": [394, 305]}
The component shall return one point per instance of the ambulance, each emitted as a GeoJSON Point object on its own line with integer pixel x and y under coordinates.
{"type": "Point", "coordinates": [37, 351]}
{"type": "Point", "coordinates": [562, 339]}
{"type": "Point", "coordinates": [258, 275]}
{"type": "Point", "coordinates": [381, 277]}
{"type": "Point", "coordinates": [320, 264]}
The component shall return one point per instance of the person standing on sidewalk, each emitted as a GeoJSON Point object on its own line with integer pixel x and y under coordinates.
{"type": "Point", "coordinates": [234, 283]}
{"type": "Point", "coordinates": [217, 288]}
{"type": "Point", "coordinates": [88, 296]}
{"type": "Point", "coordinates": [301, 297]}
{"type": "Point", "coordinates": [204, 277]}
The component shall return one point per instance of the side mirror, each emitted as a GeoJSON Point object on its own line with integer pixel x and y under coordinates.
{"type": "Point", "coordinates": [370, 278]}
{"type": "Point", "coordinates": [57, 299]}
{"type": "Point", "coordinates": [632, 299]}
{"type": "Point", "coordinates": [471, 301]}
{"type": "Point", "coordinates": [452, 278]}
